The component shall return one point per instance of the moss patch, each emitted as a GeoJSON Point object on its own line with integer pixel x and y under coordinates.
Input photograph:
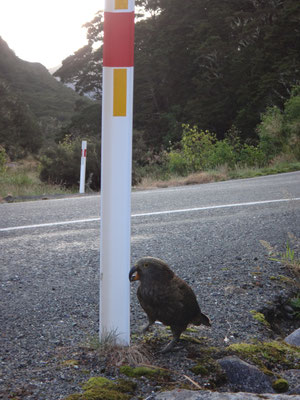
{"type": "Point", "coordinates": [192, 339]}
{"type": "Point", "coordinates": [200, 369]}
{"type": "Point", "coordinates": [207, 367]}
{"type": "Point", "coordinates": [69, 363]}
{"type": "Point", "coordinates": [154, 338]}
{"type": "Point", "coordinates": [260, 318]}
{"type": "Point", "coordinates": [147, 372]}
{"type": "Point", "coordinates": [75, 396]}
{"type": "Point", "coordinates": [100, 388]}
{"type": "Point", "coordinates": [268, 355]}
{"type": "Point", "coordinates": [192, 329]}
{"type": "Point", "coordinates": [98, 382]}
{"type": "Point", "coordinates": [280, 385]}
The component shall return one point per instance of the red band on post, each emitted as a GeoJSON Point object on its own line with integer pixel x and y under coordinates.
{"type": "Point", "coordinates": [118, 39]}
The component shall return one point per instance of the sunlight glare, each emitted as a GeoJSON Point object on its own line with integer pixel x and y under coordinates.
{"type": "Point", "coordinates": [46, 31]}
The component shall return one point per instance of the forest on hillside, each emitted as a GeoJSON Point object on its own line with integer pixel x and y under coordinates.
{"type": "Point", "coordinates": [206, 62]}
{"type": "Point", "coordinates": [216, 82]}
{"type": "Point", "coordinates": [33, 105]}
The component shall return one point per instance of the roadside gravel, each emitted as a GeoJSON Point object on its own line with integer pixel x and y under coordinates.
{"type": "Point", "coordinates": [49, 299]}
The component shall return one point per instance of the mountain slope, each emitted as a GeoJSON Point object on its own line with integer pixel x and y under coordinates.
{"type": "Point", "coordinates": [45, 96]}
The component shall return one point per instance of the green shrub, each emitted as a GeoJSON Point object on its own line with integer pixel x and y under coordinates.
{"type": "Point", "coordinates": [270, 132]}
{"type": "Point", "coordinates": [61, 163]}
{"type": "Point", "coordinates": [202, 150]}
{"type": "Point", "coordinates": [279, 132]}
{"type": "Point", "coordinates": [233, 137]}
{"type": "Point", "coordinates": [251, 156]}
{"type": "Point", "coordinates": [3, 159]}
{"type": "Point", "coordinates": [292, 106]}
{"type": "Point", "coordinates": [196, 145]}
{"type": "Point", "coordinates": [177, 163]}
{"type": "Point", "coordinates": [292, 122]}
{"type": "Point", "coordinates": [221, 153]}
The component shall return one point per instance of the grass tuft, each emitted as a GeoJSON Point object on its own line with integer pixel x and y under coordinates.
{"type": "Point", "coordinates": [117, 355]}
{"type": "Point", "coordinates": [289, 258]}
{"type": "Point", "coordinates": [221, 173]}
{"type": "Point", "coordinates": [22, 180]}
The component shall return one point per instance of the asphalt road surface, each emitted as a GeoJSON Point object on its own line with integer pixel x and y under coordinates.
{"type": "Point", "coordinates": [210, 234]}
{"type": "Point", "coordinates": [181, 200]}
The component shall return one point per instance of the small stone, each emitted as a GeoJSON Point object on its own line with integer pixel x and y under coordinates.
{"type": "Point", "coordinates": [245, 377]}
{"type": "Point", "coordinates": [294, 338]}
{"type": "Point", "coordinates": [65, 378]}
{"type": "Point", "coordinates": [280, 385]}
{"type": "Point", "coordinates": [20, 336]}
{"type": "Point", "coordinates": [231, 289]}
{"type": "Point", "coordinates": [288, 309]}
{"type": "Point", "coordinates": [289, 316]}
{"type": "Point", "coordinates": [9, 198]}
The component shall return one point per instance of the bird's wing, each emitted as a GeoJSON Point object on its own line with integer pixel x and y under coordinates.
{"type": "Point", "coordinates": [148, 301]}
{"type": "Point", "coordinates": [187, 299]}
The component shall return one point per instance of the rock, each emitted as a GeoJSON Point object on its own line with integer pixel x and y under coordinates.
{"type": "Point", "coordinates": [293, 378]}
{"type": "Point", "coordinates": [9, 198]}
{"type": "Point", "coordinates": [182, 394]}
{"type": "Point", "coordinates": [245, 377]}
{"type": "Point", "coordinates": [231, 289]}
{"type": "Point", "coordinates": [280, 385]}
{"type": "Point", "coordinates": [288, 309]}
{"type": "Point", "coordinates": [293, 338]}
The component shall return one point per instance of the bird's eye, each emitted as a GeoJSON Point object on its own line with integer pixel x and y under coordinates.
{"type": "Point", "coordinates": [146, 265]}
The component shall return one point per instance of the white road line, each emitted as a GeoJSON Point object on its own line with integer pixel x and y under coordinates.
{"type": "Point", "coordinates": [214, 207]}
{"type": "Point", "coordinates": [49, 224]}
{"type": "Point", "coordinates": [80, 221]}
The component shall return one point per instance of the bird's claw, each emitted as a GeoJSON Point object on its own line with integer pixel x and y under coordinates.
{"type": "Point", "coordinates": [170, 347]}
{"type": "Point", "coordinates": [145, 328]}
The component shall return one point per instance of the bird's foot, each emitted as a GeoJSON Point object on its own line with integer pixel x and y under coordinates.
{"type": "Point", "coordinates": [171, 347]}
{"type": "Point", "coordinates": [146, 328]}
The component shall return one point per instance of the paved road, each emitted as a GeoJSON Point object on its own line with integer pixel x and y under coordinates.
{"type": "Point", "coordinates": [210, 234]}
{"type": "Point", "coordinates": [185, 223]}
{"type": "Point", "coordinates": [86, 209]}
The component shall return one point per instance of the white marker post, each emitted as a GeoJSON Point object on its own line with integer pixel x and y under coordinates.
{"type": "Point", "coordinates": [116, 154]}
{"type": "Point", "coordinates": [83, 166]}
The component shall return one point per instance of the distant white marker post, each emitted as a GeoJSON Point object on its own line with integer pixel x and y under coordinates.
{"type": "Point", "coordinates": [83, 166]}
{"type": "Point", "coordinates": [116, 154]}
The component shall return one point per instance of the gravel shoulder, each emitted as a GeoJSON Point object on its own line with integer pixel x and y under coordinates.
{"type": "Point", "coordinates": [49, 296]}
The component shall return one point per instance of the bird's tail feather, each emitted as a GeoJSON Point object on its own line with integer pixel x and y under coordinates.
{"type": "Point", "coordinates": [202, 319]}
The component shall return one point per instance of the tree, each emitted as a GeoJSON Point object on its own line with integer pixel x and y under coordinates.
{"type": "Point", "coordinates": [19, 130]}
{"type": "Point", "coordinates": [205, 63]}
{"type": "Point", "coordinates": [83, 69]}
{"type": "Point", "coordinates": [85, 124]}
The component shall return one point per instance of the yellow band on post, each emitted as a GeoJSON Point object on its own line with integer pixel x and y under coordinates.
{"type": "Point", "coordinates": [121, 4]}
{"type": "Point", "coordinates": [120, 92]}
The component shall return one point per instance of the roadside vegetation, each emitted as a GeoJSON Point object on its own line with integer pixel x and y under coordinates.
{"type": "Point", "coordinates": [199, 157]}
{"type": "Point", "coordinates": [215, 98]}
{"type": "Point", "coordinates": [21, 180]}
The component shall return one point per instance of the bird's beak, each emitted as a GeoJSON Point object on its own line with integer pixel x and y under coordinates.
{"type": "Point", "coordinates": [133, 274]}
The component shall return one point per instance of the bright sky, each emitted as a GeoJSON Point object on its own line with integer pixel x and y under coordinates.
{"type": "Point", "coordinates": [46, 31]}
